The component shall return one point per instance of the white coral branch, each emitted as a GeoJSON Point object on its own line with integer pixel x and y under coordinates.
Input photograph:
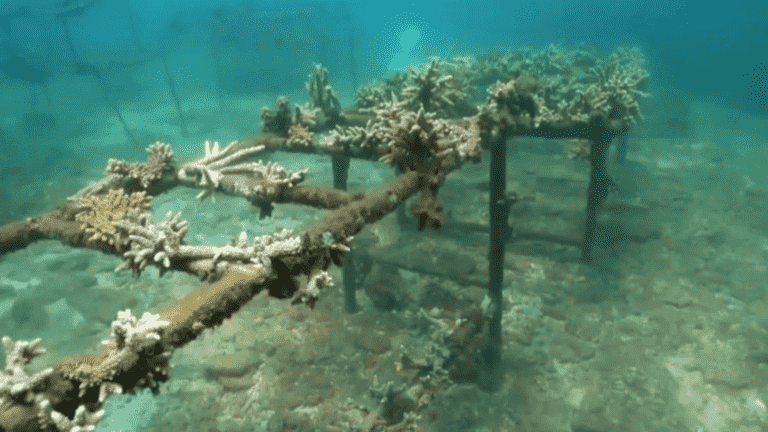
{"type": "Point", "coordinates": [150, 241]}
{"type": "Point", "coordinates": [208, 170]}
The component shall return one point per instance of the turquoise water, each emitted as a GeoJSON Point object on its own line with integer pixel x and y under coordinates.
{"type": "Point", "coordinates": [665, 329]}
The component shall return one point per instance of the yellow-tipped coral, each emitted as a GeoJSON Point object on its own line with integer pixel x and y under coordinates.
{"type": "Point", "coordinates": [98, 214]}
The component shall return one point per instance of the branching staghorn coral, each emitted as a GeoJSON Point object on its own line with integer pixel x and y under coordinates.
{"type": "Point", "coordinates": [413, 138]}
{"type": "Point", "coordinates": [371, 95]}
{"type": "Point", "coordinates": [279, 120]}
{"type": "Point", "coordinates": [257, 181]}
{"type": "Point", "coordinates": [363, 138]}
{"type": "Point", "coordinates": [162, 242]}
{"type": "Point", "coordinates": [129, 337]}
{"type": "Point", "coordinates": [150, 241]}
{"type": "Point", "coordinates": [14, 380]}
{"type": "Point", "coordinates": [619, 82]}
{"type": "Point", "coordinates": [414, 141]}
{"type": "Point", "coordinates": [436, 92]}
{"type": "Point", "coordinates": [609, 88]}
{"type": "Point", "coordinates": [158, 162]}
{"type": "Point", "coordinates": [293, 123]}
{"type": "Point", "coordinates": [272, 179]}
{"type": "Point", "coordinates": [129, 332]}
{"type": "Point", "coordinates": [409, 140]}
{"type": "Point", "coordinates": [380, 92]}
{"type": "Point", "coordinates": [261, 250]}
{"type": "Point", "coordinates": [17, 386]}
{"type": "Point", "coordinates": [99, 213]}
{"type": "Point", "coordinates": [208, 170]}
{"type": "Point", "coordinates": [509, 105]}
{"type": "Point", "coordinates": [323, 97]}
{"type": "Point", "coordinates": [428, 87]}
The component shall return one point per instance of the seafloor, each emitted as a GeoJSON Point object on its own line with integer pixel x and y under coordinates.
{"type": "Point", "coordinates": [666, 331]}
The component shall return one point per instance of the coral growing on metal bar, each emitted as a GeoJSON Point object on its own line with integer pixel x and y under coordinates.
{"type": "Point", "coordinates": [436, 92]}
{"type": "Point", "coordinates": [208, 170]}
{"type": "Point", "coordinates": [18, 386]}
{"type": "Point", "coordinates": [134, 333]}
{"type": "Point", "coordinates": [162, 242]}
{"type": "Point", "coordinates": [98, 214]}
{"type": "Point", "coordinates": [158, 162]}
{"type": "Point", "coordinates": [14, 379]}
{"type": "Point", "coordinates": [509, 105]}
{"type": "Point", "coordinates": [609, 88]}
{"type": "Point", "coordinates": [408, 139]}
{"type": "Point", "coordinates": [150, 241]}
{"type": "Point", "coordinates": [272, 179]}
{"type": "Point", "coordinates": [352, 136]}
{"type": "Point", "coordinates": [620, 79]}
{"type": "Point", "coordinates": [278, 120]}
{"type": "Point", "coordinates": [412, 138]}
{"type": "Point", "coordinates": [322, 95]}
{"type": "Point", "coordinates": [299, 135]}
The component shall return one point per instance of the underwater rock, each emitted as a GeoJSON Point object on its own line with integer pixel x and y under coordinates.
{"type": "Point", "coordinates": [435, 295]}
{"type": "Point", "coordinates": [231, 365]}
{"type": "Point", "coordinates": [386, 288]}
{"type": "Point", "coordinates": [373, 341]}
